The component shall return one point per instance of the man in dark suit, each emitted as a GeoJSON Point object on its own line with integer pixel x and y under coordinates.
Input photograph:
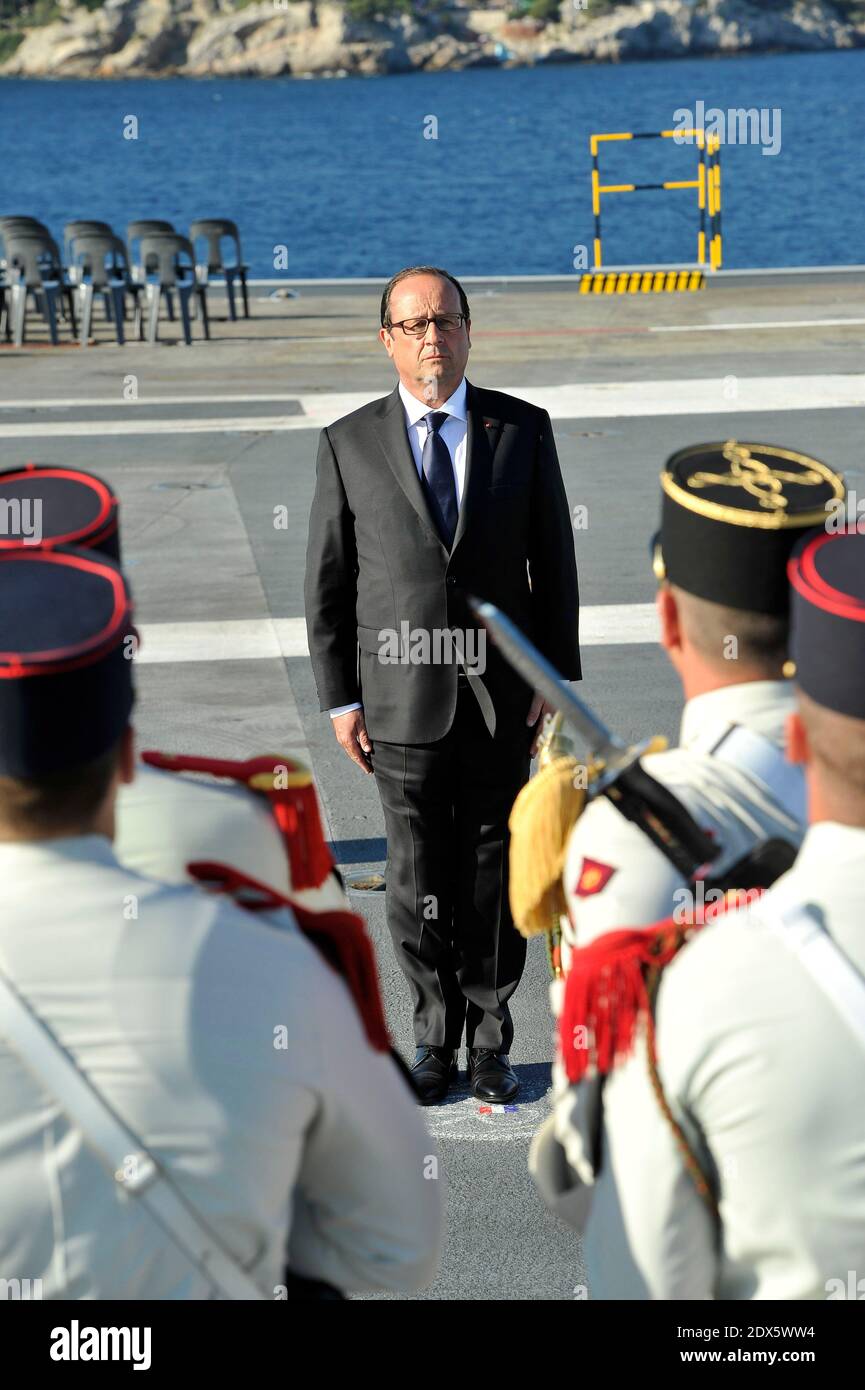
{"type": "Point", "coordinates": [439, 490]}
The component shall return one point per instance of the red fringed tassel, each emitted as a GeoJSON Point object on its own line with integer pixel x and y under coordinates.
{"type": "Point", "coordinates": [338, 935]}
{"type": "Point", "coordinates": [295, 809]}
{"type": "Point", "coordinates": [605, 992]}
{"type": "Point", "coordinates": [341, 937]}
{"type": "Point", "coordinates": [605, 995]}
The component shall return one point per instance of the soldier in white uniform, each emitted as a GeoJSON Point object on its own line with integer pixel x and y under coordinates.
{"type": "Point", "coordinates": [242, 1062]}
{"type": "Point", "coordinates": [731, 513]}
{"type": "Point", "coordinates": [164, 821]}
{"type": "Point", "coordinates": [753, 1186]}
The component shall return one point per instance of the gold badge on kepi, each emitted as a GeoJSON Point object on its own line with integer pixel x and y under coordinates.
{"type": "Point", "coordinates": [755, 471]}
{"type": "Point", "coordinates": [731, 513]}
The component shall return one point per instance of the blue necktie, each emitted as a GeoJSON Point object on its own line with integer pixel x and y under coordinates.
{"type": "Point", "coordinates": [438, 477]}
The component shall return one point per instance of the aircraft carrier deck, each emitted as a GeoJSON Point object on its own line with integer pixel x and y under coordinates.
{"type": "Point", "coordinates": [205, 444]}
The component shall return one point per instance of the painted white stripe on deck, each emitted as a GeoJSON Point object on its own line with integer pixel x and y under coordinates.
{"type": "Point", "coordinates": [593, 401]}
{"type": "Point", "coordinates": [751, 327]}
{"type": "Point", "coordinates": [257, 639]}
{"type": "Point", "coordinates": [91, 403]}
{"type": "Point", "coordinates": [80, 429]}
{"type": "Point", "coordinates": [244, 639]}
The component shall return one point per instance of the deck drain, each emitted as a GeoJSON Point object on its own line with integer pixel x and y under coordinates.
{"type": "Point", "coordinates": [186, 487]}
{"type": "Point", "coordinates": [362, 881]}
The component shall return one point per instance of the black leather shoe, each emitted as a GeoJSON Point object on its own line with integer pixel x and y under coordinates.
{"type": "Point", "coordinates": [491, 1077]}
{"type": "Point", "coordinates": [432, 1072]}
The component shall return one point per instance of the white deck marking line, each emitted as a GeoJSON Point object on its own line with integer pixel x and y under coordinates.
{"type": "Point", "coordinates": [257, 639]}
{"type": "Point", "coordinates": [81, 429]}
{"type": "Point", "coordinates": [591, 401]}
{"type": "Point", "coordinates": [749, 327]}
{"type": "Point", "coordinates": [82, 403]}
{"type": "Point", "coordinates": [254, 397]}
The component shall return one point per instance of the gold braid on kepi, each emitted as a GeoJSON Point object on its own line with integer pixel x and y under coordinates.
{"type": "Point", "coordinates": [541, 819]}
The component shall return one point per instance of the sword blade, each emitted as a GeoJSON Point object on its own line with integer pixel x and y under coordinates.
{"type": "Point", "coordinates": [543, 677]}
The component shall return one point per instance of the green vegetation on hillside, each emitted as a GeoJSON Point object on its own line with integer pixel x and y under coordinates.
{"type": "Point", "coordinates": [28, 14]}
{"type": "Point", "coordinates": [16, 16]}
{"type": "Point", "coordinates": [9, 41]}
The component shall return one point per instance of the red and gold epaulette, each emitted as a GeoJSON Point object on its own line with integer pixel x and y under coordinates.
{"type": "Point", "coordinates": [290, 790]}
{"type": "Point", "coordinates": [607, 989]}
{"type": "Point", "coordinates": [339, 936]}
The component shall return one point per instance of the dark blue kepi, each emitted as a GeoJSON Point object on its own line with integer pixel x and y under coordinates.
{"type": "Point", "coordinates": [48, 505]}
{"type": "Point", "coordinates": [66, 645]}
{"type": "Point", "coordinates": [827, 575]}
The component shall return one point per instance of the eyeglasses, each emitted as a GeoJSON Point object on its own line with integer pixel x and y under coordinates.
{"type": "Point", "coordinates": [417, 328]}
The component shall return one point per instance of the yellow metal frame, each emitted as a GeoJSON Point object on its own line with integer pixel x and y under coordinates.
{"type": "Point", "coordinates": [707, 184]}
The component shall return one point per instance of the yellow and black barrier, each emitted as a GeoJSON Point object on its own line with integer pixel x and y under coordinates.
{"type": "Point", "coordinates": [641, 281]}
{"type": "Point", "coordinates": [707, 184]}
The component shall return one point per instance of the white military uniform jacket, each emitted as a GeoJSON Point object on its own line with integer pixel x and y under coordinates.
{"type": "Point", "coordinates": [767, 1079]}
{"type": "Point", "coordinates": [730, 773]}
{"type": "Point", "coordinates": [236, 1055]}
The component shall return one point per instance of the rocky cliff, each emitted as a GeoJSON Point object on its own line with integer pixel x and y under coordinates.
{"type": "Point", "coordinates": [200, 38]}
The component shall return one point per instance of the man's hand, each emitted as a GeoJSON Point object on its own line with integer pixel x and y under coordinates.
{"type": "Point", "coordinates": [351, 734]}
{"type": "Point", "coordinates": [537, 709]}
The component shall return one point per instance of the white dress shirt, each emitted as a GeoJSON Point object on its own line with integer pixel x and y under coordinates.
{"type": "Point", "coordinates": [454, 432]}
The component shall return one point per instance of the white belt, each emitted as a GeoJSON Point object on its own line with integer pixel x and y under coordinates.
{"type": "Point", "coordinates": [824, 961]}
{"type": "Point", "coordinates": [134, 1170]}
{"type": "Point", "coordinates": [758, 756]}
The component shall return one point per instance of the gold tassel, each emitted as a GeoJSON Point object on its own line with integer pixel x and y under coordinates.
{"type": "Point", "coordinates": [541, 819]}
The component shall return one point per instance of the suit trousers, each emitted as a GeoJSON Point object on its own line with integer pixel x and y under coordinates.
{"type": "Point", "coordinates": [446, 806]}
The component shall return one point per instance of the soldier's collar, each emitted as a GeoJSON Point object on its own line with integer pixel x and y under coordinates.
{"type": "Point", "coordinates": [82, 848]}
{"type": "Point", "coordinates": [761, 705]}
{"type": "Point", "coordinates": [830, 842]}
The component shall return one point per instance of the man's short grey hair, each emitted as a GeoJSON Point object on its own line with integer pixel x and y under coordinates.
{"type": "Point", "coordinates": [420, 270]}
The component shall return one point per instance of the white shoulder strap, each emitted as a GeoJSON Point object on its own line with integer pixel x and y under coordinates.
{"type": "Point", "coordinates": [825, 962]}
{"type": "Point", "coordinates": [757, 755]}
{"type": "Point", "coordinates": [134, 1170]}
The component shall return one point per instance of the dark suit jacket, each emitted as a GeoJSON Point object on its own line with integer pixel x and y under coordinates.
{"type": "Point", "coordinates": [376, 561]}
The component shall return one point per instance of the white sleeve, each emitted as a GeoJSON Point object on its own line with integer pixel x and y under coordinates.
{"type": "Point", "coordinates": [370, 1193]}
{"type": "Point", "coordinates": [344, 709]}
{"type": "Point", "coordinates": [670, 1228]}
{"type": "Point", "coordinates": [614, 876]}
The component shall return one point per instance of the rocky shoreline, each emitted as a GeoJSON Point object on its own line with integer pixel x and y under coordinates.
{"type": "Point", "coordinates": [324, 38]}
